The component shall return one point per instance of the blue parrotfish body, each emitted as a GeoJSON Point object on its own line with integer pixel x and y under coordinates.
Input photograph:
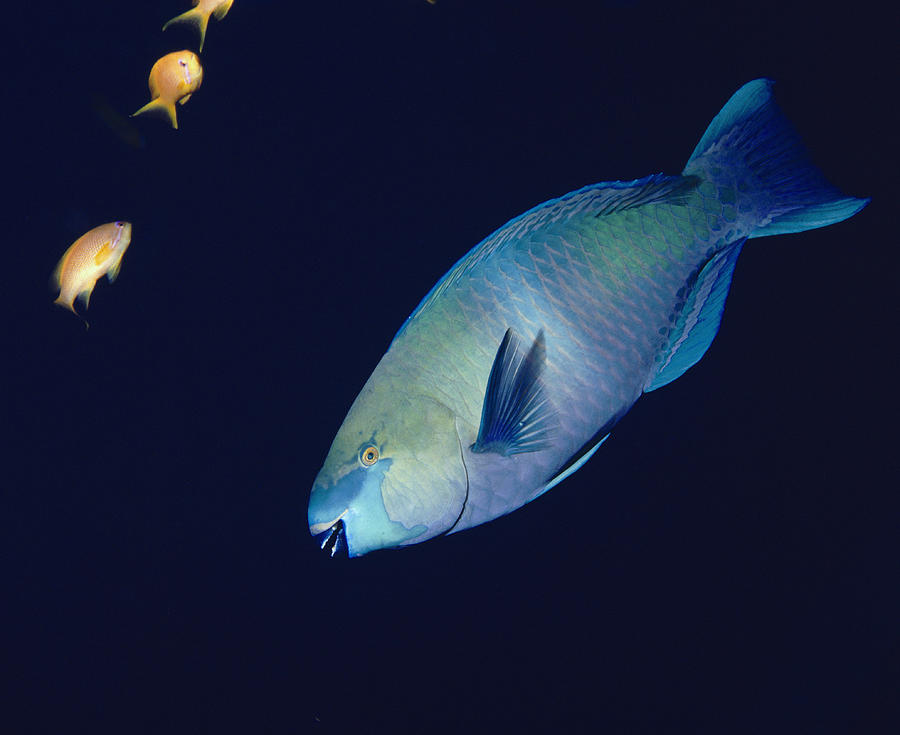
{"type": "Point", "coordinates": [515, 367]}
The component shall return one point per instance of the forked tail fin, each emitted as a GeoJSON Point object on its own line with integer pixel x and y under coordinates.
{"type": "Point", "coordinates": [789, 192]}
{"type": "Point", "coordinates": [160, 105]}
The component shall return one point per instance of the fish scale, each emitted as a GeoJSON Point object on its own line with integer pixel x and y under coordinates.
{"type": "Point", "coordinates": [518, 363]}
{"type": "Point", "coordinates": [613, 296]}
{"type": "Point", "coordinates": [600, 290]}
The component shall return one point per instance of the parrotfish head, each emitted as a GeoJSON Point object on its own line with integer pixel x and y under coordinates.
{"type": "Point", "coordinates": [394, 474]}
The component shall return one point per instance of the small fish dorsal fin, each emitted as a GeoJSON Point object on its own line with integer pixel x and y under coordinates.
{"type": "Point", "coordinates": [516, 416]}
{"type": "Point", "coordinates": [698, 323]}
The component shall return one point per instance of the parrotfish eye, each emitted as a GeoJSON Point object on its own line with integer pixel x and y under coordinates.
{"type": "Point", "coordinates": [368, 455]}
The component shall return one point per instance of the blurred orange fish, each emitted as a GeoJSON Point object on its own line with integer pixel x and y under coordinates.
{"type": "Point", "coordinates": [123, 128]}
{"type": "Point", "coordinates": [96, 253]}
{"type": "Point", "coordinates": [199, 15]}
{"type": "Point", "coordinates": [173, 78]}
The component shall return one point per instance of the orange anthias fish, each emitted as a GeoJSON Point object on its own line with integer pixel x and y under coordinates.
{"type": "Point", "coordinates": [96, 253]}
{"type": "Point", "coordinates": [199, 15]}
{"type": "Point", "coordinates": [173, 78]}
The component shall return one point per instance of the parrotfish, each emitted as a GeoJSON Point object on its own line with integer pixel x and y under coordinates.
{"type": "Point", "coordinates": [199, 15]}
{"type": "Point", "coordinates": [515, 367]}
{"type": "Point", "coordinates": [173, 78]}
{"type": "Point", "coordinates": [98, 252]}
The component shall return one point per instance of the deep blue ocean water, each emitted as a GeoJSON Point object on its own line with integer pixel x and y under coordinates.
{"type": "Point", "coordinates": [728, 562]}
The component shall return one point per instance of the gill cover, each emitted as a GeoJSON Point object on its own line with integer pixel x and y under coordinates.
{"type": "Point", "coordinates": [394, 474]}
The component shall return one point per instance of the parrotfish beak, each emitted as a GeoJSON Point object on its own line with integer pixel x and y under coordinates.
{"type": "Point", "coordinates": [333, 539]}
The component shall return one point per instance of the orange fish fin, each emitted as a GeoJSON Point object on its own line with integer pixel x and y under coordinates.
{"type": "Point", "coordinates": [222, 10]}
{"type": "Point", "coordinates": [56, 276]}
{"type": "Point", "coordinates": [113, 273]}
{"type": "Point", "coordinates": [85, 296]}
{"type": "Point", "coordinates": [196, 16]}
{"type": "Point", "coordinates": [160, 104]}
{"type": "Point", "coordinates": [66, 303]}
{"type": "Point", "coordinates": [102, 253]}
{"type": "Point", "coordinates": [70, 305]}
{"type": "Point", "coordinates": [189, 16]}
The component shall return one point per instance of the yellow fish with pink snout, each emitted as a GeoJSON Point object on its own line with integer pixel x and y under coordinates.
{"type": "Point", "coordinates": [95, 254]}
{"type": "Point", "coordinates": [199, 15]}
{"type": "Point", "coordinates": [173, 78]}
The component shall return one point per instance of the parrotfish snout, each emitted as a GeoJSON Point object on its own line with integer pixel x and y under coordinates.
{"type": "Point", "coordinates": [368, 494]}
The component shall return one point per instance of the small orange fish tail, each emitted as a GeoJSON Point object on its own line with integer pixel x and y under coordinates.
{"type": "Point", "coordinates": [66, 303]}
{"type": "Point", "coordinates": [161, 105]}
{"type": "Point", "coordinates": [222, 10]}
{"type": "Point", "coordinates": [196, 16]}
{"type": "Point", "coordinates": [69, 303]}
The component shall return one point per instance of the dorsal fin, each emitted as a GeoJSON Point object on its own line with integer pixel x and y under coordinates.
{"type": "Point", "coordinates": [596, 200]}
{"type": "Point", "coordinates": [516, 416]}
{"type": "Point", "coordinates": [698, 323]}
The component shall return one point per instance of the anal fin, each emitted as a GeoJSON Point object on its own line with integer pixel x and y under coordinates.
{"type": "Point", "coordinates": [698, 323]}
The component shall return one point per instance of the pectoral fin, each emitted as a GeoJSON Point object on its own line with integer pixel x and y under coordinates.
{"type": "Point", "coordinates": [516, 416]}
{"type": "Point", "coordinates": [103, 253]}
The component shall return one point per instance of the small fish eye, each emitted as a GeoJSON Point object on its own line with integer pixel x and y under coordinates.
{"type": "Point", "coordinates": [368, 455]}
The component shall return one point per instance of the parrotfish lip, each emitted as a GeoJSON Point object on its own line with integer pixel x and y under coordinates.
{"type": "Point", "coordinates": [316, 528]}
